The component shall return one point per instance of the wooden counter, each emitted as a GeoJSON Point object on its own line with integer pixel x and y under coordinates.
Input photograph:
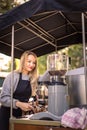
{"type": "Point", "coordinates": [26, 124]}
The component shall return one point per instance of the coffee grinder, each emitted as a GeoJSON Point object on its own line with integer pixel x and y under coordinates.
{"type": "Point", "coordinates": [57, 65]}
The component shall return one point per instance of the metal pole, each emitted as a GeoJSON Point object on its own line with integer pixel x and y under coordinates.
{"type": "Point", "coordinates": [84, 51]}
{"type": "Point", "coordinates": [12, 69]}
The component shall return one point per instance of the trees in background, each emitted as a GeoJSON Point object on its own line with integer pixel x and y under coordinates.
{"type": "Point", "coordinates": [6, 5]}
{"type": "Point", "coordinates": [76, 54]}
{"type": "Point", "coordinates": [42, 64]}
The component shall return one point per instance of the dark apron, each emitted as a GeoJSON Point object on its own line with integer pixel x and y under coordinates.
{"type": "Point", "coordinates": [22, 93]}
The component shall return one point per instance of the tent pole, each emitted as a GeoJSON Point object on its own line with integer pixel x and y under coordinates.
{"type": "Point", "coordinates": [12, 69]}
{"type": "Point", "coordinates": [84, 51]}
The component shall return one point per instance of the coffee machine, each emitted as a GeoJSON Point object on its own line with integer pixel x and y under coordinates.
{"type": "Point", "coordinates": [54, 78]}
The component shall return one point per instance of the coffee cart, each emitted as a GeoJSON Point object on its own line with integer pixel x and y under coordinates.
{"type": "Point", "coordinates": [20, 23]}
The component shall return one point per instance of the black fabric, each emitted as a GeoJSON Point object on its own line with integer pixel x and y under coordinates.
{"type": "Point", "coordinates": [4, 118]}
{"type": "Point", "coordinates": [24, 89]}
{"type": "Point", "coordinates": [21, 12]}
{"type": "Point", "coordinates": [32, 7]}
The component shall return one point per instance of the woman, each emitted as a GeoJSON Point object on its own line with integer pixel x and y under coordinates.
{"type": "Point", "coordinates": [25, 83]}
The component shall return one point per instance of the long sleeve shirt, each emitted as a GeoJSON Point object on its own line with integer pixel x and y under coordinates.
{"type": "Point", "coordinates": [5, 97]}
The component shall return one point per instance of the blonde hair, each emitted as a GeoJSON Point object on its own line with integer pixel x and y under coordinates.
{"type": "Point", "coordinates": [33, 74]}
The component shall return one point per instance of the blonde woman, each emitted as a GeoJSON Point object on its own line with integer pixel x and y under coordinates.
{"type": "Point", "coordinates": [25, 83]}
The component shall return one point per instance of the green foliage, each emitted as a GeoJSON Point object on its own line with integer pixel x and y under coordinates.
{"type": "Point", "coordinates": [5, 5]}
{"type": "Point", "coordinates": [76, 54]}
{"type": "Point", "coordinates": [42, 64]}
{"type": "Point", "coordinates": [9, 65]}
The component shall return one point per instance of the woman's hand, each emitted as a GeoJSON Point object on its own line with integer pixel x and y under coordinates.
{"type": "Point", "coordinates": [24, 106]}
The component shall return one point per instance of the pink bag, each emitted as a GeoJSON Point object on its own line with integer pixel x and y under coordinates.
{"type": "Point", "coordinates": [75, 118]}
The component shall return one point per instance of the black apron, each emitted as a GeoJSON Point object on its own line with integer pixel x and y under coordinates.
{"type": "Point", "coordinates": [22, 93]}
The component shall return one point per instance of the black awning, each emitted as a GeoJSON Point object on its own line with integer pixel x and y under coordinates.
{"type": "Point", "coordinates": [42, 25]}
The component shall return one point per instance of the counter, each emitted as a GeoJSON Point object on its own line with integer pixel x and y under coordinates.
{"type": "Point", "coordinates": [26, 124]}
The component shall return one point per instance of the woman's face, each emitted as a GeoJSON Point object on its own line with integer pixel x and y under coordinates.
{"type": "Point", "coordinates": [30, 64]}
